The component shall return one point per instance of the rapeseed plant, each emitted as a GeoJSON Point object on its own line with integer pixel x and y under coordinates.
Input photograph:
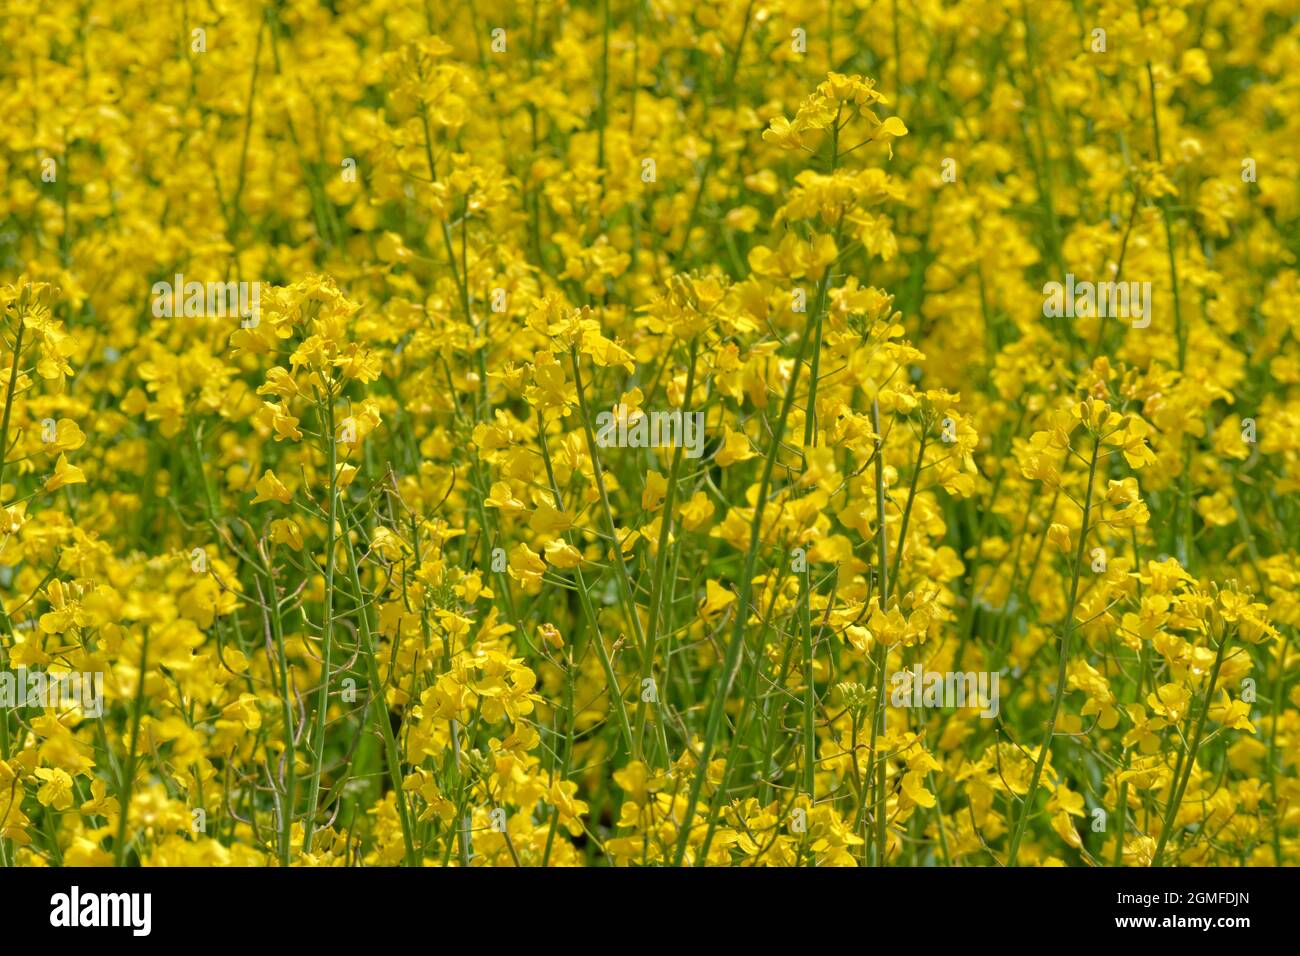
{"type": "Point", "coordinates": [648, 433]}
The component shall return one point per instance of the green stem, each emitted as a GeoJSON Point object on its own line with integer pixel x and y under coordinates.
{"type": "Point", "coordinates": [584, 600]}
{"type": "Point", "coordinates": [369, 653]}
{"type": "Point", "coordinates": [1176, 795]}
{"type": "Point", "coordinates": [661, 557]}
{"type": "Point", "coordinates": [128, 775]}
{"type": "Point", "coordinates": [1028, 804]}
{"type": "Point", "coordinates": [327, 640]}
{"type": "Point", "coordinates": [726, 674]}
{"type": "Point", "coordinates": [881, 652]}
{"type": "Point", "coordinates": [598, 472]}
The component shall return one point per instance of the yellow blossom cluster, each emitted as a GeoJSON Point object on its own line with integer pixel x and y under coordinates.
{"type": "Point", "coordinates": [643, 432]}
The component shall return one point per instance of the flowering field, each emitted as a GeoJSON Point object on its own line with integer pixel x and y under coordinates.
{"type": "Point", "coordinates": [644, 432]}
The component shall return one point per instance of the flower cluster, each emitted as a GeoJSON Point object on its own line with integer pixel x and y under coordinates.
{"type": "Point", "coordinates": [309, 316]}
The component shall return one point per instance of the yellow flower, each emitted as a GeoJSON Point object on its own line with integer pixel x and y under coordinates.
{"type": "Point", "coordinates": [287, 532]}
{"type": "Point", "coordinates": [502, 497]}
{"type": "Point", "coordinates": [716, 599]}
{"type": "Point", "coordinates": [570, 810]}
{"type": "Point", "coordinates": [735, 447]}
{"type": "Point", "coordinates": [914, 788]}
{"type": "Point", "coordinates": [562, 555]}
{"type": "Point", "coordinates": [551, 635]}
{"type": "Point", "coordinates": [270, 488]}
{"type": "Point", "coordinates": [244, 711]}
{"type": "Point", "coordinates": [1058, 535]}
{"type": "Point", "coordinates": [1234, 714]}
{"type": "Point", "coordinates": [1170, 701]}
{"type": "Point", "coordinates": [64, 474]}
{"type": "Point", "coordinates": [56, 791]}
{"type": "Point", "coordinates": [67, 436]}
{"type": "Point", "coordinates": [783, 133]}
